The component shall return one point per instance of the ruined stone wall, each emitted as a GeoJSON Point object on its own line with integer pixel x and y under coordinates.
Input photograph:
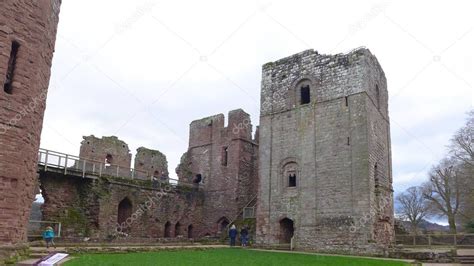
{"type": "Point", "coordinates": [90, 208]}
{"type": "Point", "coordinates": [226, 159]}
{"type": "Point", "coordinates": [327, 144]}
{"type": "Point", "coordinates": [152, 162]}
{"type": "Point", "coordinates": [27, 38]}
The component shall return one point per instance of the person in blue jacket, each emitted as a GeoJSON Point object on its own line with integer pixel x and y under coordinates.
{"type": "Point", "coordinates": [232, 235]}
{"type": "Point", "coordinates": [48, 236]}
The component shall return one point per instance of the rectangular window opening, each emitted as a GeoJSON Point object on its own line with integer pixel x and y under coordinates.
{"type": "Point", "coordinates": [347, 101]}
{"type": "Point", "coordinates": [225, 155]}
{"type": "Point", "coordinates": [292, 180]}
{"type": "Point", "coordinates": [305, 95]}
{"type": "Point", "coordinates": [7, 86]}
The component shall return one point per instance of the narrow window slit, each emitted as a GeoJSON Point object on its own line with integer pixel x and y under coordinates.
{"type": "Point", "coordinates": [347, 101]}
{"type": "Point", "coordinates": [7, 86]}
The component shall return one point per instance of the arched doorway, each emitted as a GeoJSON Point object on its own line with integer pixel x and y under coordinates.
{"type": "Point", "coordinates": [286, 230]}
{"type": "Point", "coordinates": [124, 211]}
{"type": "Point", "coordinates": [177, 229]}
{"type": "Point", "coordinates": [190, 231]}
{"type": "Point", "coordinates": [222, 224]}
{"type": "Point", "coordinates": [167, 229]}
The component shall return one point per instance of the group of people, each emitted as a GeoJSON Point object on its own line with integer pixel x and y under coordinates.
{"type": "Point", "coordinates": [244, 235]}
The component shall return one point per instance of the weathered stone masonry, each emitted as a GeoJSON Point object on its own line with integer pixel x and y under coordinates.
{"type": "Point", "coordinates": [324, 124]}
{"type": "Point", "coordinates": [97, 207]}
{"type": "Point", "coordinates": [27, 38]}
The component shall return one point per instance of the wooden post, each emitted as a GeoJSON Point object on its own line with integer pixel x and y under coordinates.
{"type": "Point", "coordinates": [100, 170]}
{"type": "Point", "coordinates": [414, 240]}
{"type": "Point", "coordinates": [429, 241]}
{"type": "Point", "coordinates": [455, 241]}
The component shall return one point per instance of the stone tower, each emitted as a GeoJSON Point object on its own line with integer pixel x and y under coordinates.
{"type": "Point", "coordinates": [225, 158]}
{"type": "Point", "coordinates": [325, 158]}
{"type": "Point", "coordinates": [27, 38]}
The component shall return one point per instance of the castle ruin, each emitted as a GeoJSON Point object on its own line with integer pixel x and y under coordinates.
{"type": "Point", "coordinates": [318, 168]}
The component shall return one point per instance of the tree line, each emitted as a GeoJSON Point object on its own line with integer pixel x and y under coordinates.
{"type": "Point", "coordinates": [449, 191]}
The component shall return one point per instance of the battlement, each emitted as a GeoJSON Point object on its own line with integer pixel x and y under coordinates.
{"type": "Point", "coordinates": [204, 131]}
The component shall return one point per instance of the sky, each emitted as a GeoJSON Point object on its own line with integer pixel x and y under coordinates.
{"type": "Point", "coordinates": [143, 70]}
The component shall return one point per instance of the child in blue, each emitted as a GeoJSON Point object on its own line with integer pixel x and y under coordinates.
{"type": "Point", "coordinates": [48, 236]}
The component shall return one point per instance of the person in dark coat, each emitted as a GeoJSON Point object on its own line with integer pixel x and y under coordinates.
{"type": "Point", "coordinates": [232, 235]}
{"type": "Point", "coordinates": [244, 236]}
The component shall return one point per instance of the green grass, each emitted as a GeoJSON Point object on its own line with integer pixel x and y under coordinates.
{"type": "Point", "coordinates": [211, 257]}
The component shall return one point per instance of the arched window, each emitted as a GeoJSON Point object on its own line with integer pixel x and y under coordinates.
{"type": "Point", "coordinates": [109, 159]}
{"type": "Point", "coordinates": [167, 229]}
{"type": "Point", "coordinates": [124, 211]}
{"type": "Point", "coordinates": [305, 94]}
{"type": "Point", "coordinates": [286, 230]}
{"type": "Point", "coordinates": [190, 231]}
{"type": "Point", "coordinates": [222, 224]}
{"type": "Point", "coordinates": [292, 180]}
{"type": "Point", "coordinates": [177, 229]}
{"type": "Point", "coordinates": [290, 174]}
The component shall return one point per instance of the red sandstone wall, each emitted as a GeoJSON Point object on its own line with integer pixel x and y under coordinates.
{"type": "Point", "coordinates": [227, 187]}
{"type": "Point", "coordinates": [33, 25]}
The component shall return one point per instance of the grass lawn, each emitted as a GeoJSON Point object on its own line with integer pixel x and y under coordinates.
{"type": "Point", "coordinates": [240, 257]}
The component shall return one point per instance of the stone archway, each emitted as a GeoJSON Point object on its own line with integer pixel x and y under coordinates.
{"type": "Point", "coordinates": [190, 231]}
{"type": "Point", "coordinates": [167, 232]}
{"type": "Point", "coordinates": [286, 230]}
{"type": "Point", "coordinates": [222, 225]}
{"type": "Point", "coordinates": [177, 229]}
{"type": "Point", "coordinates": [125, 209]}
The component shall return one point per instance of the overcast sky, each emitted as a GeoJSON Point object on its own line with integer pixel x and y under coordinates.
{"type": "Point", "coordinates": [143, 70]}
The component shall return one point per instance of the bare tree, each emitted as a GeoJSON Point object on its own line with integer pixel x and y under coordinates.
{"type": "Point", "coordinates": [443, 191]}
{"type": "Point", "coordinates": [462, 150]}
{"type": "Point", "coordinates": [413, 207]}
{"type": "Point", "coordinates": [462, 144]}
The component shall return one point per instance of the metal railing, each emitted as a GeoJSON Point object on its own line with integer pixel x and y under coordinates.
{"type": "Point", "coordinates": [429, 240]}
{"type": "Point", "coordinates": [73, 165]}
{"type": "Point", "coordinates": [36, 228]}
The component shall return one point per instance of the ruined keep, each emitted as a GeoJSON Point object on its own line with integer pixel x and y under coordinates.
{"type": "Point", "coordinates": [325, 156]}
{"type": "Point", "coordinates": [223, 160]}
{"type": "Point", "coordinates": [27, 39]}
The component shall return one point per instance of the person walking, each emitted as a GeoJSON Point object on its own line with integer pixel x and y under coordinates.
{"type": "Point", "coordinates": [244, 234]}
{"type": "Point", "coordinates": [48, 236]}
{"type": "Point", "coordinates": [232, 235]}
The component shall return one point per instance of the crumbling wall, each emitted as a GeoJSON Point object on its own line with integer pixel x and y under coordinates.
{"type": "Point", "coordinates": [27, 38]}
{"type": "Point", "coordinates": [152, 162]}
{"type": "Point", "coordinates": [225, 157]}
{"type": "Point", "coordinates": [90, 208]}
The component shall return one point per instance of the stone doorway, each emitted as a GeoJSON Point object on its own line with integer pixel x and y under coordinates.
{"type": "Point", "coordinates": [286, 230]}
{"type": "Point", "coordinates": [222, 225]}
{"type": "Point", "coordinates": [190, 231]}
{"type": "Point", "coordinates": [177, 229]}
{"type": "Point", "coordinates": [125, 209]}
{"type": "Point", "coordinates": [167, 229]}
